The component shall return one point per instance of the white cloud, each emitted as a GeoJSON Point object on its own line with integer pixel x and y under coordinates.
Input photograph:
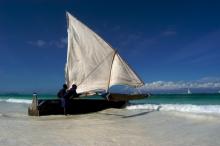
{"type": "Point", "coordinates": [63, 40]}
{"type": "Point", "coordinates": [210, 79]}
{"type": "Point", "coordinates": [41, 43]}
{"type": "Point", "coordinates": [169, 33]}
{"type": "Point", "coordinates": [170, 85]}
{"type": "Point", "coordinates": [38, 43]}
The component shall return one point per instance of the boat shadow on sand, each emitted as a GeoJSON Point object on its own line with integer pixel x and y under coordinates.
{"type": "Point", "coordinates": [133, 115]}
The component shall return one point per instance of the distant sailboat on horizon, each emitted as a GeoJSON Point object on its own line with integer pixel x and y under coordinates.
{"type": "Point", "coordinates": [188, 91]}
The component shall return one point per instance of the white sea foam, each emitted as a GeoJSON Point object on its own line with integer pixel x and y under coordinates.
{"type": "Point", "coordinates": [207, 109]}
{"type": "Point", "coordinates": [13, 100]}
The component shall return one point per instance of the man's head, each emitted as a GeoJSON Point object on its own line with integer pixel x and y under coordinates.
{"type": "Point", "coordinates": [74, 86]}
{"type": "Point", "coordinates": [65, 86]}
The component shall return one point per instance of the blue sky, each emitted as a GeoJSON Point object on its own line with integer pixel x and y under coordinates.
{"type": "Point", "coordinates": [172, 41]}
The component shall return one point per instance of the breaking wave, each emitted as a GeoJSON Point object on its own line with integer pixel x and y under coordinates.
{"type": "Point", "coordinates": [13, 100]}
{"type": "Point", "coordinates": [189, 108]}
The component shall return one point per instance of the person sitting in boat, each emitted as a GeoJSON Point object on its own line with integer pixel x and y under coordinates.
{"type": "Point", "coordinates": [71, 93]}
{"type": "Point", "coordinates": [62, 91]}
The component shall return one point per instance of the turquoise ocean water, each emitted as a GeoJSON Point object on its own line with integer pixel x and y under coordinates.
{"type": "Point", "coordinates": [194, 99]}
{"type": "Point", "coordinates": [195, 103]}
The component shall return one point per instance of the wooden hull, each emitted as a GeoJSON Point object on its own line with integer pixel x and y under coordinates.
{"type": "Point", "coordinates": [75, 106]}
{"type": "Point", "coordinates": [40, 107]}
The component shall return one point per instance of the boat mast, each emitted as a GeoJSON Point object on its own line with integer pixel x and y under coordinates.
{"type": "Point", "coordinates": [113, 58]}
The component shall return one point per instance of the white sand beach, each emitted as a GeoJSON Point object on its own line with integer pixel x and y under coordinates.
{"type": "Point", "coordinates": [112, 127]}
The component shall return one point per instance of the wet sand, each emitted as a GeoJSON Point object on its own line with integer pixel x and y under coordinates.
{"type": "Point", "coordinates": [112, 127]}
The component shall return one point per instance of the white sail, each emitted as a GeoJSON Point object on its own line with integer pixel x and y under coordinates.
{"type": "Point", "coordinates": [92, 64]}
{"type": "Point", "coordinates": [121, 73]}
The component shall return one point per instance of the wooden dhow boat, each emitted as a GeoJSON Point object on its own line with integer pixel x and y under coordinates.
{"type": "Point", "coordinates": [93, 65]}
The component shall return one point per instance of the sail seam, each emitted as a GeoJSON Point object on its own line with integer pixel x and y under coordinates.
{"type": "Point", "coordinates": [101, 62]}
